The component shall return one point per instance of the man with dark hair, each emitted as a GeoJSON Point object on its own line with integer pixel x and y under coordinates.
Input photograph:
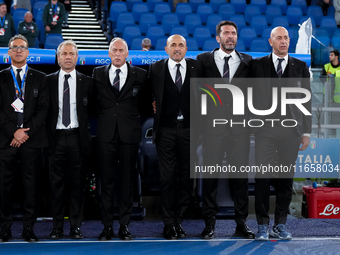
{"type": "Point", "coordinates": [69, 135]}
{"type": "Point", "coordinates": [170, 82]}
{"type": "Point", "coordinates": [330, 69]}
{"type": "Point", "coordinates": [29, 29]}
{"type": "Point", "coordinates": [7, 29]}
{"type": "Point", "coordinates": [119, 87]}
{"type": "Point", "coordinates": [53, 17]}
{"type": "Point", "coordinates": [229, 64]}
{"type": "Point", "coordinates": [24, 102]}
{"type": "Point", "coordinates": [276, 144]}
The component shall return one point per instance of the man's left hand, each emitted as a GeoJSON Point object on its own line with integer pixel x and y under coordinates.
{"type": "Point", "coordinates": [304, 143]}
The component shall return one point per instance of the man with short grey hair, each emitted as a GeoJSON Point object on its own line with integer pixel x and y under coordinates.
{"type": "Point", "coordinates": [146, 44]}
{"type": "Point", "coordinates": [69, 137]}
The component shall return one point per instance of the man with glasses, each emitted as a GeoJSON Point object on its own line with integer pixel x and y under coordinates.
{"type": "Point", "coordinates": [23, 109]}
{"type": "Point", "coordinates": [53, 17]}
{"type": "Point", "coordinates": [7, 29]}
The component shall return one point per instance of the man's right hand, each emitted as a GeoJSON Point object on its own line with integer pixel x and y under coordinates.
{"type": "Point", "coordinates": [20, 135]}
{"type": "Point", "coordinates": [48, 29]}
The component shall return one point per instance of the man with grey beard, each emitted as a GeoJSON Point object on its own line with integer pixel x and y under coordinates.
{"type": "Point", "coordinates": [227, 63]}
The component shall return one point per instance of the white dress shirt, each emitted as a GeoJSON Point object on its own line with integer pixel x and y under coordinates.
{"type": "Point", "coordinates": [283, 63]}
{"type": "Point", "coordinates": [73, 99]}
{"type": "Point", "coordinates": [173, 69]}
{"type": "Point", "coordinates": [233, 62]}
{"type": "Point", "coordinates": [23, 69]}
{"type": "Point", "coordinates": [122, 75]}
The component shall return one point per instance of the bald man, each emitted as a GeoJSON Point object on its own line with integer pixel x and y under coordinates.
{"type": "Point", "coordinates": [29, 29]}
{"type": "Point", "coordinates": [170, 81]}
{"type": "Point", "coordinates": [277, 145]}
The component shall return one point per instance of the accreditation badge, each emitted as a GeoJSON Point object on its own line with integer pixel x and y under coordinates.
{"type": "Point", "coordinates": [18, 105]}
{"type": "Point", "coordinates": [2, 31]}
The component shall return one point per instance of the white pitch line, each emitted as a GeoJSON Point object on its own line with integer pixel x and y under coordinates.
{"type": "Point", "coordinates": [179, 240]}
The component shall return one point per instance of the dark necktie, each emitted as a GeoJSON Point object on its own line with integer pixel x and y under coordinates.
{"type": "Point", "coordinates": [178, 80]}
{"type": "Point", "coordinates": [226, 68]}
{"type": "Point", "coordinates": [66, 102]}
{"type": "Point", "coordinates": [279, 68]}
{"type": "Point", "coordinates": [20, 115]}
{"type": "Point", "coordinates": [115, 84]}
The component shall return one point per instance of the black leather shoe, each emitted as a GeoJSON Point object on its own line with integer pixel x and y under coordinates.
{"type": "Point", "coordinates": [5, 235]}
{"type": "Point", "coordinates": [180, 231]}
{"type": "Point", "coordinates": [107, 234]}
{"type": "Point", "coordinates": [57, 233]}
{"type": "Point", "coordinates": [244, 231]}
{"type": "Point", "coordinates": [76, 233]}
{"type": "Point", "coordinates": [28, 235]}
{"type": "Point", "coordinates": [124, 233]}
{"type": "Point", "coordinates": [208, 232]}
{"type": "Point", "coordinates": [169, 232]}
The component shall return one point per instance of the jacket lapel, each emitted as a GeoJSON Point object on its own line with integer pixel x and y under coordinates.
{"type": "Point", "coordinates": [240, 67]}
{"type": "Point", "coordinates": [10, 82]}
{"type": "Point", "coordinates": [212, 63]}
{"type": "Point", "coordinates": [79, 90]}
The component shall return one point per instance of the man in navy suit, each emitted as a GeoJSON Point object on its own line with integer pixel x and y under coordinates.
{"type": "Point", "coordinates": [24, 102]}
{"type": "Point", "coordinates": [119, 86]}
{"type": "Point", "coordinates": [69, 137]}
{"type": "Point", "coordinates": [276, 144]}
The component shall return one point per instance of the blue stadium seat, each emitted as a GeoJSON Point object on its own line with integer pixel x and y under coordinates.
{"type": "Point", "coordinates": [266, 33]}
{"type": "Point", "coordinates": [294, 15]}
{"type": "Point", "coordinates": [154, 32]}
{"type": "Point", "coordinates": [247, 34]}
{"type": "Point", "coordinates": [259, 23]}
{"type": "Point", "coordinates": [240, 45]}
{"type": "Point", "coordinates": [322, 35]}
{"type": "Point", "coordinates": [331, 11]}
{"type": "Point", "coordinates": [329, 24]}
{"type": "Point", "coordinates": [191, 44]}
{"type": "Point", "coordinates": [195, 3]}
{"type": "Point", "coordinates": [320, 56]}
{"type": "Point", "coordinates": [272, 12]}
{"type": "Point", "coordinates": [201, 34]}
{"type": "Point", "coordinates": [160, 10]}
{"type": "Point", "coordinates": [239, 5]}
{"type": "Point", "coordinates": [294, 36]}
{"type": "Point", "coordinates": [259, 45]}
{"type": "Point", "coordinates": [262, 4]}
{"type": "Point", "coordinates": [302, 4]}
{"type": "Point", "coordinates": [131, 32]}
{"type": "Point", "coordinates": [212, 21]}
{"type": "Point", "coordinates": [161, 43]}
{"type": "Point", "coordinates": [191, 22]}
{"type": "Point", "coordinates": [39, 5]}
{"type": "Point", "coordinates": [215, 4]}
{"type": "Point", "coordinates": [226, 11]}
{"type": "Point", "coordinates": [53, 40]}
{"type": "Point", "coordinates": [131, 3]}
{"type": "Point", "coordinates": [182, 9]}
{"type": "Point", "coordinates": [116, 8]}
{"type": "Point", "coordinates": [336, 39]}
{"type": "Point", "coordinates": [169, 21]}
{"type": "Point", "coordinates": [138, 9]}
{"type": "Point", "coordinates": [180, 30]}
{"type": "Point", "coordinates": [146, 20]}
{"type": "Point", "coordinates": [210, 44]}
{"type": "Point", "coordinates": [315, 11]}
{"type": "Point", "coordinates": [41, 27]}
{"type": "Point", "coordinates": [36, 43]}
{"type": "Point", "coordinates": [204, 10]}
{"type": "Point", "coordinates": [152, 3]}
{"type": "Point", "coordinates": [250, 12]}
{"type": "Point", "coordinates": [280, 21]}
{"type": "Point", "coordinates": [124, 19]}
{"type": "Point", "coordinates": [136, 43]}
{"type": "Point", "coordinates": [239, 20]}
{"type": "Point", "coordinates": [282, 4]}
{"type": "Point", "coordinates": [18, 16]}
